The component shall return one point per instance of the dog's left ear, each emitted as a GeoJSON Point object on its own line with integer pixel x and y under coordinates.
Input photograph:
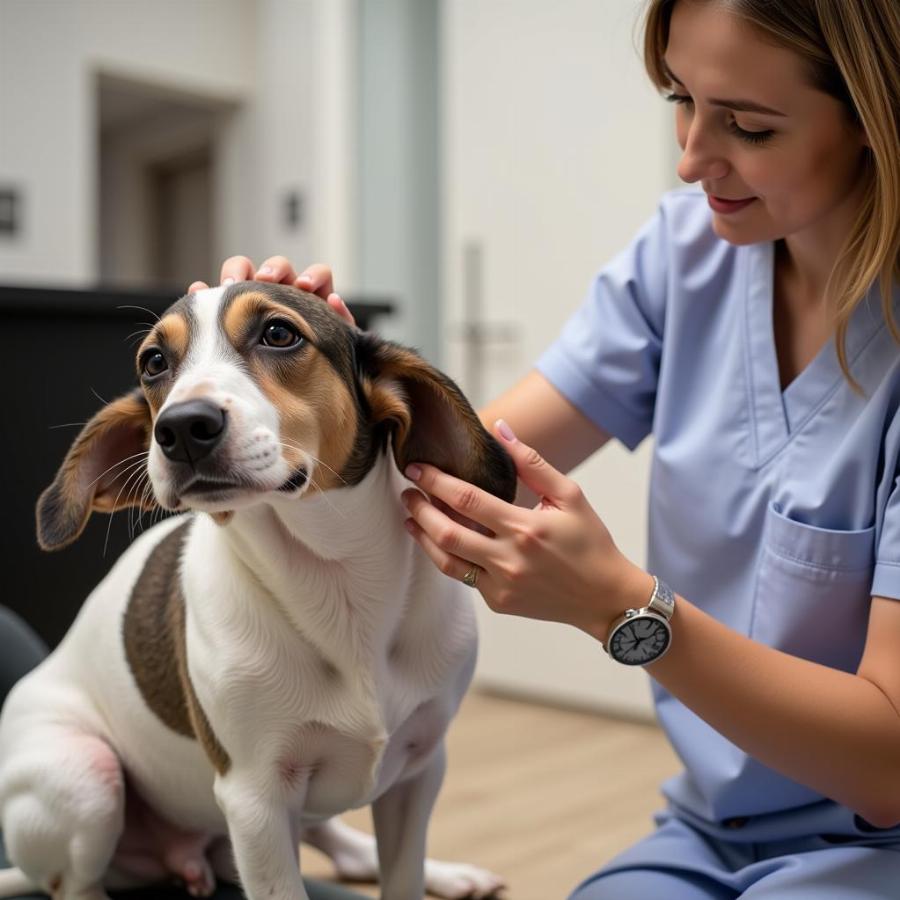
{"type": "Point", "coordinates": [431, 420]}
{"type": "Point", "coordinates": [99, 473]}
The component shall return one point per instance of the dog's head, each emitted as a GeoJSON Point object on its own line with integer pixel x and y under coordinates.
{"type": "Point", "coordinates": [259, 391]}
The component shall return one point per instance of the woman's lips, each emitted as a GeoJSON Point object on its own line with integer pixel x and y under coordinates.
{"type": "Point", "coordinates": [728, 206]}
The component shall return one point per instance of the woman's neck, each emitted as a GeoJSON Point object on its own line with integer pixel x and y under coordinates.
{"type": "Point", "coordinates": [805, 260]}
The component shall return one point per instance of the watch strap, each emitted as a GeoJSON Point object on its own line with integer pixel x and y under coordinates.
{"type": "Point", "coordinates": [662, 600]}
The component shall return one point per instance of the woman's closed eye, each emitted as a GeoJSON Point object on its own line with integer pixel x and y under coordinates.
{"type": "Point", "coordinates": [751, 137]}
{"type": "Point", "coordinates": [681, 99]}
{"type": "Point", "coordinates": [747, 135]}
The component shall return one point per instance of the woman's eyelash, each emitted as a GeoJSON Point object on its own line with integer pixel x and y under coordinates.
{"type": "Point", "coordinates": [751, 137]}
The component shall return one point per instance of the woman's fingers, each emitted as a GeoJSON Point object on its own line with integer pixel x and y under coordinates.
{"type": "Point", "coordinates": [535, 472]}
{"type": "Point", "coordinates": [338, 305]}
{"type": "Point", "coordinates": [236, 268]}
{"type": "Point", "coordinates": [451, 565]}
{"type": "Point", "coordinates": [277, 269]}
{"type": "Point", "coordinates": [317, 279]}
{"type": "Point", "coordinates": [466, 499]}
{"type": "Point", "coordinates": [449, 537]}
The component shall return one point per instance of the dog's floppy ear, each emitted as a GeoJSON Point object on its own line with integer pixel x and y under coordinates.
{"type": "Point", "coordinates": [100, 472]}
{"type": "Point", "coordinates": [431, 420]}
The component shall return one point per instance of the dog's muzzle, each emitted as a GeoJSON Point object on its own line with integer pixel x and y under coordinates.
{"type": "Point", "coordinates": [188, 432]}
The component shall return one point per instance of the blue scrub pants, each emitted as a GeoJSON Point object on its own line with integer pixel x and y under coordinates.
{"type": "Point", "coordinates": [682, 862]}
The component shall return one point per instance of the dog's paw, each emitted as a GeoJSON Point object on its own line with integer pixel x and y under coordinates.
{"type": "Point", "coordinates": [460, 881]}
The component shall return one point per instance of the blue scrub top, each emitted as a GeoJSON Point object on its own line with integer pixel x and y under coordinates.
{"type": "Point", "coordinates": [775, 511]}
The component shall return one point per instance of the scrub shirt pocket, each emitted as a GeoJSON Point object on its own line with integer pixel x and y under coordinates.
{"type": "Point", "coordinates": [813, 590]}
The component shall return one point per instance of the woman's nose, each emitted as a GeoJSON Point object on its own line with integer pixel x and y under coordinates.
{"type": "Point", "coordinates": [701, 158]}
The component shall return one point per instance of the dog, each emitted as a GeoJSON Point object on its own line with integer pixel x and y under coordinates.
{"type": "Point", "coordinates": [276, 655]}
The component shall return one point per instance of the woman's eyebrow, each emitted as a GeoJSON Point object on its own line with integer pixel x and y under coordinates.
{"type": "Point", "coordinates": [739, 105]}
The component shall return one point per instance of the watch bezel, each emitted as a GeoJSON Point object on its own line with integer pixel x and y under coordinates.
{"type": "Point", "coordinates": [633, 615]}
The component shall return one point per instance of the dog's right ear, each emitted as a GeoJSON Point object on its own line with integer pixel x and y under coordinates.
{"type": "Point", "coordinates": [100, 471]}
{"type": "Point", "coordinates": [429, 418]}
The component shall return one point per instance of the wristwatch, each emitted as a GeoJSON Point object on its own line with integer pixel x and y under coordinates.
{"type": "Point", "coordinates": [642, 636]}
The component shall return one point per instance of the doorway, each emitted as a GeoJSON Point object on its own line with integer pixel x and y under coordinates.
{"type": "Point", "coordinates": [157, 173]}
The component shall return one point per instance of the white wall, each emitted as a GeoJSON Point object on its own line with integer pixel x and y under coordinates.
{"type": "Point", "coordinates": [557, 150]}
{"type": "Point", "coordinates": [49, 54]}
{"type": "Point", "coordinates": [269, 58]}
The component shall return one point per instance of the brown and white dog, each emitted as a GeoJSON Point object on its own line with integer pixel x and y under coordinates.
{"type": "Point", "coordinates": [281, 654]}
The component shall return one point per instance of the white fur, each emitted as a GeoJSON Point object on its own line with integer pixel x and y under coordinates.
{"type": "Point", "coordinates": [327, 652]}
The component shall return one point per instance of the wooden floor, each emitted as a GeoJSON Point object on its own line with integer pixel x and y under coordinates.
{"type": "Point", "coordinates": [540, 795]}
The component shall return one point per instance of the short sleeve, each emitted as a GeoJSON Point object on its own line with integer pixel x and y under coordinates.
{"type": "Point", "coordinates": [886, 579]}
{"type": "Point", "coordinates": [606, 359]}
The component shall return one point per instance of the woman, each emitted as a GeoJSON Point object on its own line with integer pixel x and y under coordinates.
{"type": "Point", "coordinates": [750, 328]}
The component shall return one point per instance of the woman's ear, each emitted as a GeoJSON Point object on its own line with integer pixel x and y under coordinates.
{"type": "Point", "coordinates": [430, 419]}
{"type": "Point", "coordinates": [101, 472]}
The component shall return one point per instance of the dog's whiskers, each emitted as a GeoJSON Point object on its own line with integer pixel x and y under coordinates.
{"type": "Point", "coordinates": [315, 459]}
{"type": "Point", "coordinates": [144, 485]}
{"type": "Point", "coordinates": [138, 334]}
{"type": "Point", "coordinates": [121, 462]}
{"type": "Point", "coordinates": [140, 309]}
{"type": "Point", "coordinates": [136, 473]}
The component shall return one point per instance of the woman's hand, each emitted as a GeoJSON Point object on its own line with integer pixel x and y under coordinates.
{"type": "Point", "coordinates": [316, 279]}
{"type": "Point", "coordinates": [556, 561]}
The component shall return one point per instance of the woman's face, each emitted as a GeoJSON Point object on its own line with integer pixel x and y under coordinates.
{"type": "Point", "coordinates": [776, 157]}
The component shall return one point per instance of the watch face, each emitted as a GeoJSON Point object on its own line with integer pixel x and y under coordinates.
{"type": "Point", "coordinates": [640, 640]}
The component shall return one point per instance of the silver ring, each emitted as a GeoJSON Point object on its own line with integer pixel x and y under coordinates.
{"type": "Point", "coordinates": [471, 577]}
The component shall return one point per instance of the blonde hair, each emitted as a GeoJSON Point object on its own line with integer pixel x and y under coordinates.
{"type": "Point", "coordinates": [851, 51]}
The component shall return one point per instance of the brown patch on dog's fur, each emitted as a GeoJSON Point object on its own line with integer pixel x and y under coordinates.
{"type": "Point", "coordinates": [244, 311]}
{"type": "Point", "coordinates": [317, 413]}
{"type": "Point", "coordinates": [173, 332]}
{"type": "Point", "coordinates": [99, 473]}
{"type": "Point", "coordinates": [156, 649]}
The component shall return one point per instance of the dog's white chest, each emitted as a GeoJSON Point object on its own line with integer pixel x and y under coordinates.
{"type": "Point", "coordinates": [333, 717]}
{"type": "Point", "coordinates": [326, 771]}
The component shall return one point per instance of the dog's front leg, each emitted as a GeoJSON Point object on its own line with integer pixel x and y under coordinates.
{"type": "Point", "coordinates": [401, 817]}
{"type": "Point", "coordinates": [262, 838]}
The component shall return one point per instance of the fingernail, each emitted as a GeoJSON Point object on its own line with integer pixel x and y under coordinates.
{"type": "Point", "coordinates": [265, 270]}
{"type": "Point", "coordinates": [227, 281]}
{"type": "Point", "coordinates": [305, 277]}
{"type": "Point", "coordinates": [505, 431]}
{"type": "Point", "coordinates": [410, 526]}
{"type": "Point", "coordinates": [413, 472]}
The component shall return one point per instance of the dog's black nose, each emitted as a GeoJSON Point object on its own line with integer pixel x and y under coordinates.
{"type": "Point", "coordinates": [187, 432]}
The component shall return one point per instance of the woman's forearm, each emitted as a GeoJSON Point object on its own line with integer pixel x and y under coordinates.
{"type": "Point", "coordinates": [835, 732]}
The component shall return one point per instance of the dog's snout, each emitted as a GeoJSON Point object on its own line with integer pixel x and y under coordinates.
{"type": "Point", "coordinates": [188, 432]}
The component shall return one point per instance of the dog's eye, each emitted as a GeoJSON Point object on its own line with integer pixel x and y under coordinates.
{"type": "Point", "coordinates": [153, 363]}
{"type": "Point", "coordinates": [280, 334]}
